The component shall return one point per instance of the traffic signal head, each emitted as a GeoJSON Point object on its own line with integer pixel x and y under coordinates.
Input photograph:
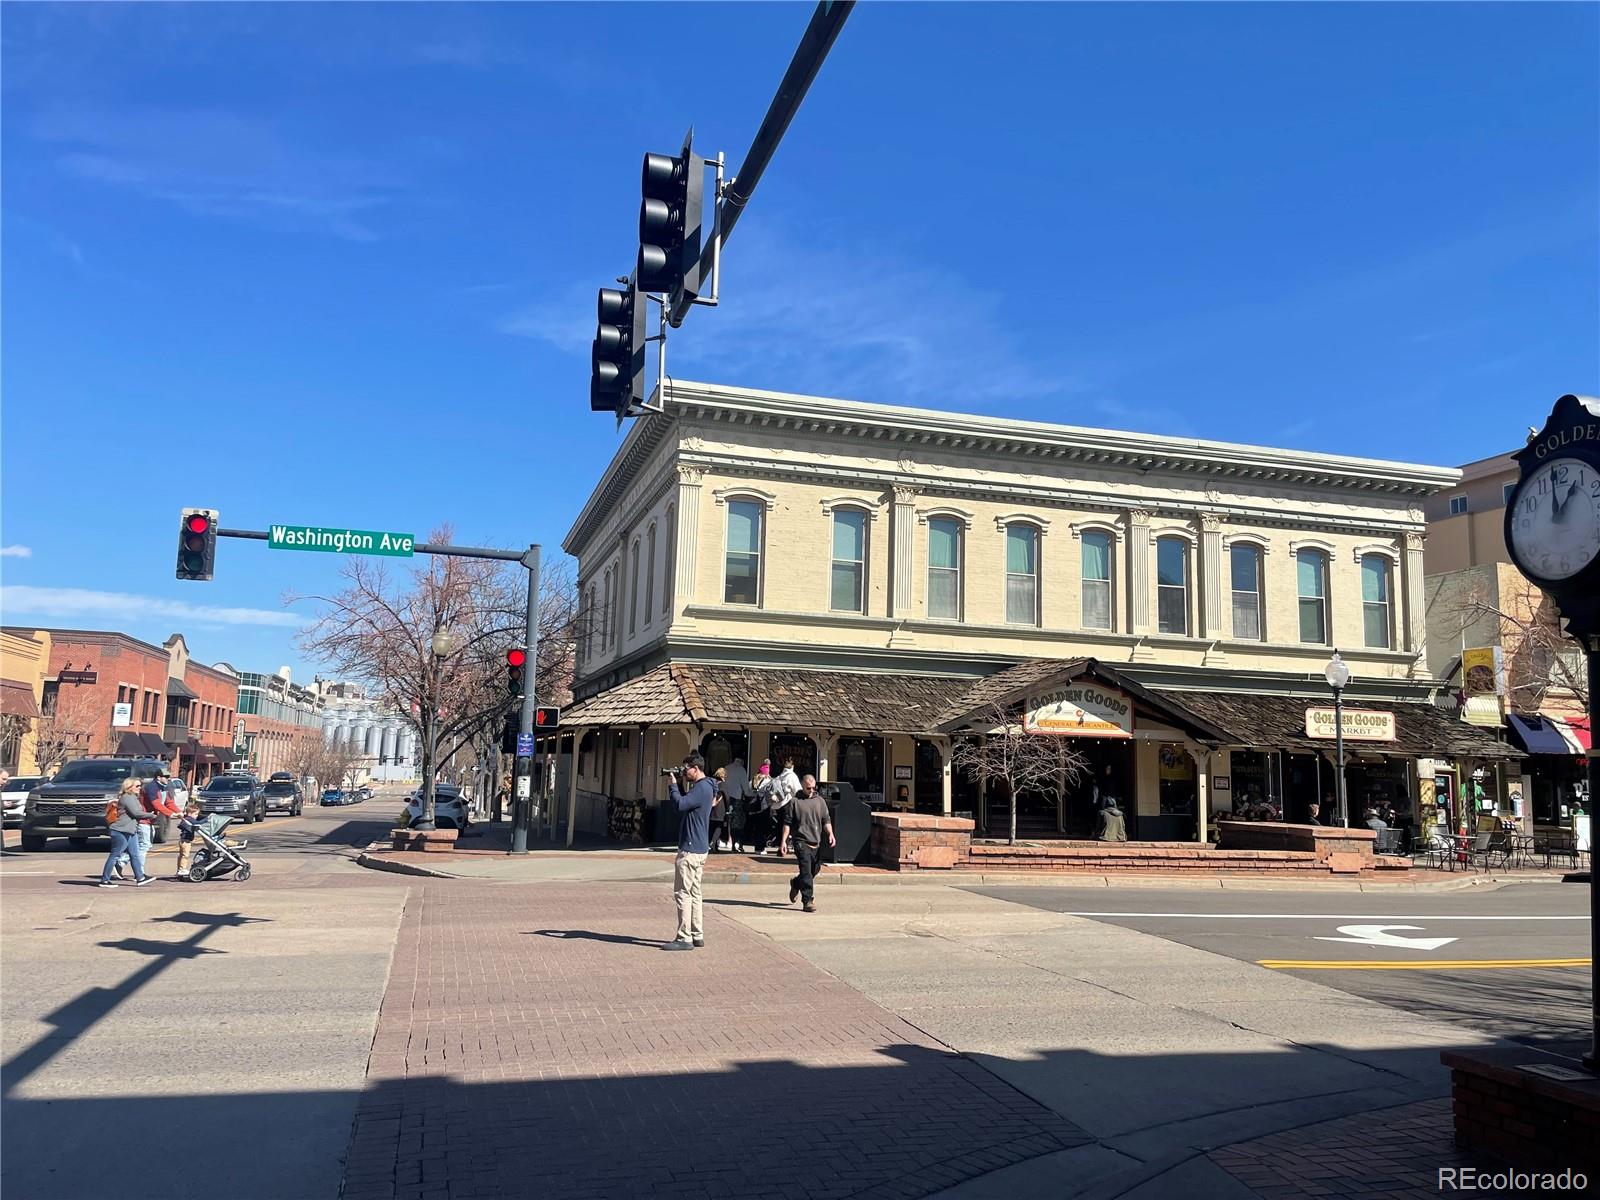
{"type": "Point", "coordinates": [197, 543]}
{"type": "Point", "coordinates": [617, 380]}
{"type": "Point", "coordinates": [669, 222]}
{"type": "Point", "coordinates": [546, 718]}
{"type": "Point", "coordinates": [516, 665]}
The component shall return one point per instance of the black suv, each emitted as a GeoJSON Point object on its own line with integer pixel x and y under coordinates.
{"type": "Point", "coordinates": [234, 795]}
{"type": "Point", "coordinates": [73, 804]}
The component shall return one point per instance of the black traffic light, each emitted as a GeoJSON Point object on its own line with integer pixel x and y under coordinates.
{"type": "Point", "coordinates": [617, 381]}
{"type": "Point", "coordinates": [516, 665]}
{"type": "Point", "coordinates": [546, 718]}
{"type": "Point", "coordinates": [197, 543]}
{"type": "Point", "coordinates": [669, 222]}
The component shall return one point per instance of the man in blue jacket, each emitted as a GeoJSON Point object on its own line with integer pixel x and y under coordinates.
{"type": "Point", "coordinates": [693, 793]}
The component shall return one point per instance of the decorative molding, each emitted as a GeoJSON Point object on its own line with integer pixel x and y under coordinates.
{"type": "Point", "coordinates": [870, 507]}
{"type": "Point", "coordinates": [1175, 531]}
{"type": "Point", "coordinates": [742, 491]}
{"type": "Point", "coordinates": [907, 464]}
{"type": "Point", "coordinates": [1114, 528]}
{"type": "Point", "coordinates": [1210, 522]}
{"type": "Point", "coordinates": [1039, 523]}
{"type": "Point", "coordinates": [1384, 549]}
{"type": "Point", "coordinates": [1139, 516]}
{"type": "Point", "coordinates": [1247, 539]}
{"type": "Point", "coordinates": [945, 510]}
{"type": "Point", "coordinates": [906, 494]}
{"type": "Point", "coordinates": [1299, 544]}
{"type": "Point", "coordinates": [1413, 543]}
{"type": "Point", "coordinates": [690, 475]}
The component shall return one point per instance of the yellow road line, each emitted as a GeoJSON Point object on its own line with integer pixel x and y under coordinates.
{"type": "Point", "coordinates": [1458, 964]}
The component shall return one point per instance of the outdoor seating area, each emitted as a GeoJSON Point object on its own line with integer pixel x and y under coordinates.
{"type": "Point", "coordinates": [1499, 849]}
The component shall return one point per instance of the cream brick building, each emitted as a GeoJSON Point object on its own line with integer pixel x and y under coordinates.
{"type": "Point", "coordinates": [747, 553]}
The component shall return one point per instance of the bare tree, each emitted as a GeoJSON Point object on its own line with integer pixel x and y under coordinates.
{"type": "Point", "coordinates": [1542, 661]}
{"type": "Point", "coordinates": [381, 629]}
{"type": "Point", "coordinates": [1002, 751]}
{"type": "Point", "coordinates": [69, 730]}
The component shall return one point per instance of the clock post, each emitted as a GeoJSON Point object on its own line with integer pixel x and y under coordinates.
{"type": "Point", "coordinates": [1553, 533]}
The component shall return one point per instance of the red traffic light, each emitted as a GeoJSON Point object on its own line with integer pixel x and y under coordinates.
{"type": "Point", "coordinates": [515, 658]}
{"type": "Point", "coordinates": [199, 523]}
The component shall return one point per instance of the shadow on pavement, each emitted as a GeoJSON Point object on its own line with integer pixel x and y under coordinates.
{"type": "Point", "coordinates": [621, 939]}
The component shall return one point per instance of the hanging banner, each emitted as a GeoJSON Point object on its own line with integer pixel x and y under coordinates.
{"type": "Point", "coordinates": [1081, 710]}
{"type": "Point", "coordinates": [1484, 671]}
{"type": "Point", "coordinates": [1360, 724]}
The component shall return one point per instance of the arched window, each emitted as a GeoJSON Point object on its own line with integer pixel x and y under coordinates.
{"type": "Point", "coordinates": [1172, 585]}
{"type": "Point", "coordinates": [742, 578]}
{"type": "Point", "coordinates": [650, 575]}
{"type": "Point", "coordinates": [944, 568]}
{"type": "Point", "coordinates": [633, 590]}
{"type": "Point", "coordinates": [848, 574]}
{"type": "Point", "coordinates": [1311, 572]}
{"type": "Point", "coordinates": [1375, 617]}
{"type": "Point", "coordinates": [1245, 567]}
{"type": "Point", "coordinates": [1022, 574]}
{"type": "Point", "coordinates": [670, 569]}
{"type": "Point", "coordinates": [605, 617]}
{"type": "Point", "coordinates": [1096, 579]}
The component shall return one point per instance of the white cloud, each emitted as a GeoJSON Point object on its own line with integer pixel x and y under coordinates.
{"type": "Point", "coordinates": [16, 551]}
{"type": "Point", "coordinates": [117, 607]}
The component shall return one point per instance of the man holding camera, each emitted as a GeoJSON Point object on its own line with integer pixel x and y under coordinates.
{"type": "Point", "coordinates": [693, 793]}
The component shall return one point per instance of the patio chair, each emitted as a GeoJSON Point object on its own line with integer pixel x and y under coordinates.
{"type": "Point", "coordinates": [1482, 851]}
{"type": "Point", "coordinates": [1437, 851]}
{"type": "Point", "coordinates": [1387, 842]}
{"type": "Point", "coordinates": [1562, 843]}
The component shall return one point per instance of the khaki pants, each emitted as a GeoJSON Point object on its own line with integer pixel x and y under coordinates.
{"type": "Point", "coordinates": [186, 854]}
{"type": "Point", "coordinates": [686, 891]}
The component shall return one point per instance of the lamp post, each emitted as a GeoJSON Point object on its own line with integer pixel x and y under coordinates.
{"type": "Point", "coordinates": [1337, 673]}
{"type": "Point", "coordinates": [441, 647]}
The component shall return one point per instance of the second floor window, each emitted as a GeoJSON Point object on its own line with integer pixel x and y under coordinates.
{"type": "Point", "coordinates": [847, 578]}
{"type": "Point", "coordinates": [1311, 571]}
{"type": "Point", "coordinates": [1244, 562]}
{"type": "Point", "coordinates": [1458, 504]}
{"type": "Point", "coordinates": [1172, 586]}
{"type": "Point", "coordinates": [743, 576]}
{"type": "Point", "coordinates": [633, 591]}
{"type": "Point", "coordinates": [1022, 574]}
{"type": "Point", "coordinates": [944, 569]}
{"type": "Point", "coordinates": [1375, 600]}
{"type": "Point", "coordinates": [650, 575]}
{"type": "Point", "coordinates": [1096, 576]}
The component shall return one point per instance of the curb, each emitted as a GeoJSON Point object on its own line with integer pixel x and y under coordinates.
{"type": "Point", "coordinates": [402, 868]}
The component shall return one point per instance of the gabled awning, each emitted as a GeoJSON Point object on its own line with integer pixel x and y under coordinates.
{"type": "Point", "coordinates": [180, 689]}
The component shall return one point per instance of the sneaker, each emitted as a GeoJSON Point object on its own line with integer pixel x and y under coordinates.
{"type": "Point", "coordinates": [121, 874]}
{"type": "Point", "coordinates": [106, 883]}
{"type": "Point", "coordinates": [699, 943]}
{"type": "Point", "coordinates": [809, 906]}
{"type": "Point", "coordinates": [794, 892]}
{"type": "Point", "coordinates": [676, 945]}
{"type": "Point", "coordinates": [145, 880]}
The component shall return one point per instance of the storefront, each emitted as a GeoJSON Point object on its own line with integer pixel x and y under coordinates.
{"type": "Point", "coordinates": [1554, 783]}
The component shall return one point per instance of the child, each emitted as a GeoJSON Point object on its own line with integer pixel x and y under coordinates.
{"type": "Point", "coordinates": [191, 816]}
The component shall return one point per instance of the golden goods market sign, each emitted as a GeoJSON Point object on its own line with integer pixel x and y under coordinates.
{"type": "Point", "coordinates": [1081, 710]}
{"type": "Point", "coordinates": [1360, 724]}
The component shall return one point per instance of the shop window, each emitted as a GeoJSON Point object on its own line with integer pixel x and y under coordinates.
{"type": "Point", "coordinates": [860, 764]}
{"type": "Point", "coordinates": [1096, 580]}
{"type": "Point", "coordinates": [742, 580]}
{"type": "Point", "coordinates": [720, 747]}
{"type": "Point", "coordinates": [847, 576]}
{"type": "Point", "coordinates": [1375, 600]}
{"type": "Point", "coordinates": [794, 746]}
{"type": "Point", "coordinates": [944, 569]}
{"type": "Point", "coordinates": [1172, 585]}
{"type": "Point", "coordinates": [1311, 570]}
{"type": "Point", "coordinates": [1244, 562]}
{"type": "Point", "coordinates": [1022, 574]}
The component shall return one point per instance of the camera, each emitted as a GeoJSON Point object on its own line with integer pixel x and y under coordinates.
{"type": "Point", "coordinates": [665, 771]}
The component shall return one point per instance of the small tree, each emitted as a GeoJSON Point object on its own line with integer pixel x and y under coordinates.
{"type": "Point", "coordinates": [1002, 751]}
{"type": "Point", "coordinates": [69, 730]}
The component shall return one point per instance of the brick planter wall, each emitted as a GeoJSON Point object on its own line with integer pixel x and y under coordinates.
{"type": "Point", "coordinates": [1523, 1117]}
{"type": "Point", "coordinates": [426, 840]}
{"type": "Point", "coordinates": [1341, 851]}
{"type": "Point", "coordinates": [917, 842]}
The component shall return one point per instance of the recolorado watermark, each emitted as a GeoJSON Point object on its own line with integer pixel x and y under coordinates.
{"type": "Point", "coordinates": [1474, 1179]}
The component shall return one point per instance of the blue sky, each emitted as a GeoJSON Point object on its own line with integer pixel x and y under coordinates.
{"type": "Point", "coordinates": [336, 264]}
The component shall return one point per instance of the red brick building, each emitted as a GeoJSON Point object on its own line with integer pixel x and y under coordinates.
{"type": "Point", "coordinates": [119, 695]}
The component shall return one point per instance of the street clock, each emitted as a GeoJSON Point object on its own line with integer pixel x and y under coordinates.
{"type": "Point", "coordinates": [1553, 516]}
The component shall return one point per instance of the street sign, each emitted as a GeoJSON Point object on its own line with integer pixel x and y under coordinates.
{"type": "Point", "coordinates": [1360, 724]}
{"type": "Point", "coordinates": [524, 786]}
{"type": "Point", "coordinates": [340, 541]}
{"type": "Point", "coordinates": [78, 677]}
{"type": "Point", "coordinates": [121, 715]}
{"type": "Point", "coordinates": [524, 745]}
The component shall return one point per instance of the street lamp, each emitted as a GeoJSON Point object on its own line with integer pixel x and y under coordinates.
{"type": "Point", "coordinates": [1337, 673]}
{"type": "Point", "coordinates": [442, 646]}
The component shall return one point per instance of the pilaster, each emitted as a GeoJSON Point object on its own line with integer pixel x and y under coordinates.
{"type": "Point", "coordinates": [685, 568]}
{"type": "Point", "coordinates": [1138, 575]}
{"type": "Point", "coordinates": [902, 528]}
{"type": "Point", "coordinates": [1416, 616]}
{"type": "Point", "coordinates": [1212, 588]}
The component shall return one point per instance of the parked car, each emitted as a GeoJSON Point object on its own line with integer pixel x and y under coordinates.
{"type": "Point", "coordinates": [15, 798]}
{"type": "Point", "coordinates": [363, 793]}
{"type": "Point", "coordinates": [332, 797]}
{"type": "Point", "coordinates": [449, 809]}
{"type": "Point", "coordinates": [235, 796]}
{"type": "Point", "coordinates": [282, 795]}
{"type": "Point", "coordinates": [73, 804]}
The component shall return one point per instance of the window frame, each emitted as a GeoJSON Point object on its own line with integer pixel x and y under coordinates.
{"type": "Point", "coordinates": [1386, 574]}
{"type": "Point", "coordinates": [650, 575]}
{"type": "Point", "coordinates": [633, 589]}
{"type": "Point", "coordinates": [1185, 548]}
{"type": "Point", "coordinates": [834, 512]}
{"type": "Point", "coordinates": [959, 524]}
{"type": "Point", "coordinates": [1260, 553]}
{"type": "Point", "coordinates": [1323, 559]}
{"type": "Point", "coordinates": [1458, 505]}
{"type": "Point", "coordinates": [669, 572]}
{"type": "Point", "coordinates": [1037, 575]}
{"type": "Point", "coordinates": [1110, 581]}
{"type": "Point", "coordinates": [759, 504]}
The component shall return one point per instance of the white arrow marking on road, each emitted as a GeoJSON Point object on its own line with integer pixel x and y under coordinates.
{"type": "Point", "coordinates": [1378, 935]}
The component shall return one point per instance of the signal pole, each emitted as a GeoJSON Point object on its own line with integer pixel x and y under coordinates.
{"type": "Point", "coordinates": [522, 803]}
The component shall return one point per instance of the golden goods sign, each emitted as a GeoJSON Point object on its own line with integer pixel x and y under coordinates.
{"type": "Point", "coordinates": [1081, 710]}
{"type": "Point", "coordinates": [1360, 724]}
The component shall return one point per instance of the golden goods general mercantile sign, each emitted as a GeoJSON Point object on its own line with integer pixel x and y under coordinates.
{"type": "Point", "coordinates": [1360, 724]}
{"type": "Point", "coordinates": [1081, 710]}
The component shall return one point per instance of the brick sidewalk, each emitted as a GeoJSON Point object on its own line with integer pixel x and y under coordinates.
{"type": "Point", "coordinates": [1391, 1154]}
{"type": "Point", "coordinates": [536, 1041]}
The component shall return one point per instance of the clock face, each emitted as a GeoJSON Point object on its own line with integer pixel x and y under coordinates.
{"type": "Point", "coordinates": [1555, 525]}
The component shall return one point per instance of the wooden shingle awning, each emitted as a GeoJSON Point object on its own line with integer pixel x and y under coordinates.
{"type": "Point", "coordinates": [17, 700]}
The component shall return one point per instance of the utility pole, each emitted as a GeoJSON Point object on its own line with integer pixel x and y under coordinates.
{"type": "Point", "coordinates": [522, 804]}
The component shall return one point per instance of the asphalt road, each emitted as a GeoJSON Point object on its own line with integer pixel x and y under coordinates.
{"type": "Point", "coordinates": [1510, 961]}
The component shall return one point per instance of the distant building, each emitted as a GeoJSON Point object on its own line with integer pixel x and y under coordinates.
{"type": "Point", "coordinates": [384, 740]}
{"type": "Point", "coordinates": [24, 663]}
{"type": "Point", "coordinates": [278, 720]}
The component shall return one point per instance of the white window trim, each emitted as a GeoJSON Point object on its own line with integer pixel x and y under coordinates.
{"type": "Point", "coordinates": [1300, 544]}
{"type": "Point", "coordinates": [1040, 528]}
{"type": "Point", "coordinates": [765, 499]}
{"type": "Point", "coordinates": [1453, 510]}
{"type": "Point", "coordinates": [1114, 528]}
{"type": "Point", "coordinates": [1114, 532]}
{"type": "Point", "coordinates": [1392, 556]}
{"type": "Point", "coordinates": [829, 509]}
{"type": "Point", "coordinates": [924, 515]}
{"type": "Point", "coordinates": [1327, 551]}
{"type": "Point", "coordinates": [633, 588]}
{"type": "Point", "coordinates": [1039, 523]}
{"type": "Point", "coordinates": [1191, 542]}
{"type": "Point", "coordinates": [964, 523]}
{"type": "Point", "coordinates": [1260, 546]}
{"type": "Point", "coordinates": [651, 547]}
{"type": "Point", "coordinates": [1181, 532]}
{"type": "Point", "coordinates": [669, 566]}
{"type": "Point", "coordinates": [761, 551]}
{"type": "Point", "coordinates": [870, 507]}
{"type": "Point", "coordinates": [1382, 549]}
{"type": "Point", "coordinates": [1247, 539]}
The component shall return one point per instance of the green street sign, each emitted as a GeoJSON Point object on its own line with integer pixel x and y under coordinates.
{"type": "Point", "coordinates": [339, 541]}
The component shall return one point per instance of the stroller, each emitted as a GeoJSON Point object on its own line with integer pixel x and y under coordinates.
{"type": "Point", "coordinates": [215, 856]}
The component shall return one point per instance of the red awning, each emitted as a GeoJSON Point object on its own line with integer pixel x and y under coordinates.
{"type": "Point", "coordinates": [16, 699]}
{"type": "Point", "coordinates": [1580, 730]}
